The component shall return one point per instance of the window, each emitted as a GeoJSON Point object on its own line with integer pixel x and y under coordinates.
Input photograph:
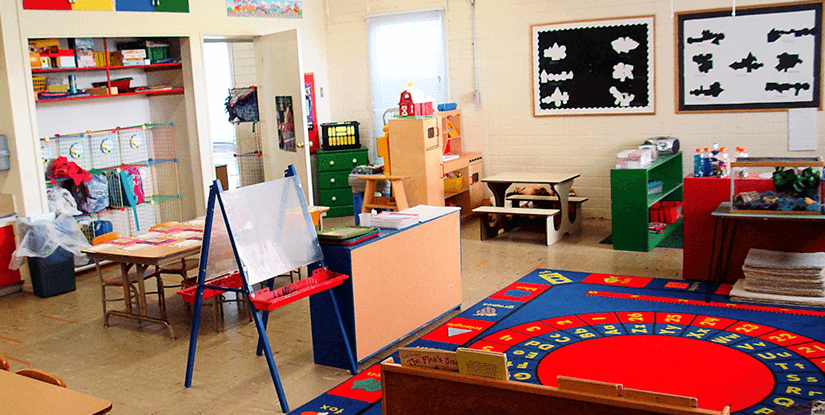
{"type": "Point", "coordinates": [407, 47]}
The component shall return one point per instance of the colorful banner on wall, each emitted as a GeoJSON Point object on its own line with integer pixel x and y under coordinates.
{"type": "Point", "coordinates": [265, 8]}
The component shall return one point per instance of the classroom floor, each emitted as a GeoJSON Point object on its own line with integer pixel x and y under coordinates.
{"type": "Point", "coordinates": [141, 370]}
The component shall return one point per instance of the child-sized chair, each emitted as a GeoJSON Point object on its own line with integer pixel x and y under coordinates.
{"type": "Point", "coordinates": [116, 281]}
{"type": "Point", "coordinates": [41, 375]}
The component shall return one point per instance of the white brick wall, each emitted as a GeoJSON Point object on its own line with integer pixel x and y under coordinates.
{"type": "Point", "coordinates": [503, 128]}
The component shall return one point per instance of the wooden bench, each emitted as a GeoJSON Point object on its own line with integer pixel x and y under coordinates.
{"type": "Point", "coordinates": [496, 218]}
{"type": "Point", "coordinates": [415, 390]}
{"type": "Point", "coordinates": [574, 203]}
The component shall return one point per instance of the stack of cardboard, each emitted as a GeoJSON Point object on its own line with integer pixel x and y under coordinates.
{"type": "Point", "coordinates": [795, 278]}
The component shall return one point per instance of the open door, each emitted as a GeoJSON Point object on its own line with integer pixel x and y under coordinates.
{"type": "Point", "coordinates": [281, 107]}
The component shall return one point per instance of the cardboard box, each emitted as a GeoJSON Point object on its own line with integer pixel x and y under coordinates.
{"type": "Point", "coordinates": [57, 88]}
{"type": "Point", "coordinates": [83, 51]}
{"type": "Point", "coordinates": [44, 45]}
{"type": "Point", "coordinates": [634, 159]}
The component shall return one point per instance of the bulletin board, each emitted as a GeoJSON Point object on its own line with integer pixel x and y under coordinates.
{"type": "Point", "coordinates": [748, 59]}
{"type": "Point", "coordinates": [593, 67]}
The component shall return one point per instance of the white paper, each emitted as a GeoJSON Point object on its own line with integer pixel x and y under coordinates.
{"type": "Point", "coordinates": [802, 129]}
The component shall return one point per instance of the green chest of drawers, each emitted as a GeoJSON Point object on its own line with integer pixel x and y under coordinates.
{"type": "Point", "coordinates": [333, 169]}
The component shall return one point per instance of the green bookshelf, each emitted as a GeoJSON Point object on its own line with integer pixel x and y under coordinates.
{"type": "Point", "coordinates": [631, 203]}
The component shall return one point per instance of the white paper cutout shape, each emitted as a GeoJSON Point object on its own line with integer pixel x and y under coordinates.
{"type": "Point", "coordinates": [556, 52]}
{"type": "Point", "coordinates": [557, 98]}
{"type": "Point", "coordinates": [624, 44]}
{"type": "Point", "coordinates": [555, 77]}
{"type": "Point", "coordinates": [622, 71]}
{"type": "Point", "coordinates": [623, 99]}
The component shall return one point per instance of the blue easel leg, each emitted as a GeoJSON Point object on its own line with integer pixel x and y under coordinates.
{"type": "Point", "coordinates": [350, 354]}
{"type": "Point", "coordinates": [260, 350]}
{"type": "Point", "coordinates": [270, 361]}
{"type": "Point", "coordinates": [193, 336]}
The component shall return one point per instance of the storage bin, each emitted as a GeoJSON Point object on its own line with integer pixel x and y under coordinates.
{"type": "Point", "coordinates": [340, 135]}
{"type": "Point", "coordinates": [654, 186]}
{"type": "Point", "coordinates": [666, 211]}
{"type": "Point", "coordinates": [52, 275]}
{"type": "Point", "coordinates": [453, 184]}
{"type": "Point", "coordinates": [39, 83]}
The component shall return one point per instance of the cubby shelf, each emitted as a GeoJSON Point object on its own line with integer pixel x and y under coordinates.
{"type": "Point", "coordinates": [154, 66]}
{"type": "Point", "coordinates": [631, 203]}
{"type": "Point", "coordinates": [173, 91]}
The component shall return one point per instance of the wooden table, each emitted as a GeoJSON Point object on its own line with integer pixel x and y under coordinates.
{"type": "Point", "coordinates": [560, 182]}
{"type": "Point", "coordinates": [141, 259]}
{"type": "Point", "coordinates": [724, 229]}
{"type": "Point", "coordinates": [21, 395]}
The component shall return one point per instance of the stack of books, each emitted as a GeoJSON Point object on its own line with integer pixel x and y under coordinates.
{"type": "Point", "coordinates": [394, 220]}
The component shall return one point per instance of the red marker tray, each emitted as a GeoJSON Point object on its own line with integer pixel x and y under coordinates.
{"type": "Point", "coordinates": [322, 279]}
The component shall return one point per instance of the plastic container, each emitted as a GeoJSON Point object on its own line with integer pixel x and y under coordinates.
{"type": "Point", "coordinates": [707, 163]}
{"type": "Point", "coordinates": [654, 186]}
{"type": "Point", "coordinates": [453, 184]}
{"type": "Point", "coordinates": [723, 162]}
{"type": "Point", "coordinates": [698, 161]}
{"type": "Point", "coordinates": [666, 211]}
{"type": "Point", "coordinates": [52, 275]}
{"type": "Point", "coordinates": [741, 155]}
{"type": "Point", "coordinates": [340, 135]}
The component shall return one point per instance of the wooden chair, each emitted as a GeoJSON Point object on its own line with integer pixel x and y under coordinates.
{"type": "Point", "coordinates": [43, 376]}
{"type": "Point", "coordinates": [4, 364]}
{"type": "Point", "coordinates": [116, 281]}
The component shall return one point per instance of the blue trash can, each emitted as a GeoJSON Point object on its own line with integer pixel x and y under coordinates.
{"type": "Point", "coordinates": [52, 275]}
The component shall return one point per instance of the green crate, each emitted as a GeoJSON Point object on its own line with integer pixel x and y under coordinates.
{"type": "Point", "coordinates": [156, 53]}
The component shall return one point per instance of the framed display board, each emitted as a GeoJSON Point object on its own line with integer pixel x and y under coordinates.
{"type": "Point", "coordinates": [758, 58]}
{"type": "Point", "coordinates": [593, 67]}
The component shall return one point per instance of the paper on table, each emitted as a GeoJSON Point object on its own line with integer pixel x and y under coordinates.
{"type": "Point", "coordinates": [426, 212]}
{"type": "Point", "coordinates": [102, 247]}
{"type": "Point", "coordinates": [135, 247]}
{"type": "Point", "coordinates": [186, 243]}
{"type": "Point", "coordinates": [150, 235]}
{"type": "Point", "coordinates": [802, 129]}
{"type": "Point", "coordinates": [186, 234]}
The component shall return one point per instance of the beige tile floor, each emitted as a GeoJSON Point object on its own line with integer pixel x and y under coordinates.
{"type": "Point", "coordinates": [141, 370]}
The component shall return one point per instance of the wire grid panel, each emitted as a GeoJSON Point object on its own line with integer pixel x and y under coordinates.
{"type": "Point", "coordinates": [49, 150]}
{"type": "Point", "coordinates": [147, 177]}
{"type": "Point", "coordinates": [165, 177]}
{"type": "Point", "coordinates": [145, 218]}
{"type": "Point", "coordinates": [134, 147]}
{"type": "Point", "coordinates": [115, 189]}
{"type": "Point", "coordinates": [251, 168]}
{"type": "Point", "coordinates": [168, 210]}
{"type": "Point", "coordinates": [119, 219]}
{"type": "Point", "coordinates": [161, 142]}
{"type": "Point", "coordinates": [75, 149]}
{"type": "Point", "coordinates": [104, 149]}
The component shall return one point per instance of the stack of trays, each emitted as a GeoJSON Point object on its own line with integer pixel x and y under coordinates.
{"type": "Point", "coordinates": [346, 235]}
{"type": "Point", "coordinates": [796, 278]}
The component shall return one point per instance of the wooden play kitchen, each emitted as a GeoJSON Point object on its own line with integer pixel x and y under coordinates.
{"type": "Point", "coordinates": [429, 151]}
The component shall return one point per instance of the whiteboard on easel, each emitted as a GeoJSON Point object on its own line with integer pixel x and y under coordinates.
{"type": "Point", "coordinates": [272, 228]}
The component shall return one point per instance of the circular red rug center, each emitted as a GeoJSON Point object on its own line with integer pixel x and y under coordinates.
{"type": "Point", "coordinates": [717, 375]}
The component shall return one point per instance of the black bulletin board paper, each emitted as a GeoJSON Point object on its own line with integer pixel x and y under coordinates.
{"type": "Point", "coordinates": [593, 67]}
{"type": "Point", "coordinates": [761, 58]}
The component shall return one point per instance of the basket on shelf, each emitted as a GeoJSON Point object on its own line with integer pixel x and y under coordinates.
{"type": "Point", "coordinates": [39, 83]}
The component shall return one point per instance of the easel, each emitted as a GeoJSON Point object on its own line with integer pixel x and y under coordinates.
{"type": "Point", "coordinates": [285, 209]}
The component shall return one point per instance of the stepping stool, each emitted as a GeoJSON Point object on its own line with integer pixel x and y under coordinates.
{"type": "Point", "coordinates": [398, 200]}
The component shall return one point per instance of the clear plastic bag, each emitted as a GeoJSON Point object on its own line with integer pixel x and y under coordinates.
{"type": "Point", "coordinates": [42, 235]}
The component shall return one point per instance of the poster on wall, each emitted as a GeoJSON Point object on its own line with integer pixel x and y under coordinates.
{"type": "Point", "coordinates": [593, 67]}
{"type": "Point", "coordinates": [312, 125]}
{"type": "Point", "coordinates": [264, 8]}
{"type": "Point", "coordinates": [286, 124]}
{"type": "Point", "coordinates": [758, 58]}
